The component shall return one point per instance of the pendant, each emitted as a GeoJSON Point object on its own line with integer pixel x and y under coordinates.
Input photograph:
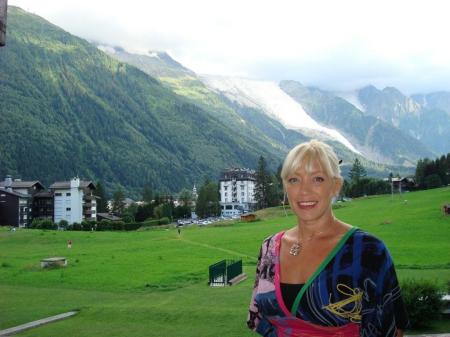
{"type": "Point", "coordinates": [295, 249]}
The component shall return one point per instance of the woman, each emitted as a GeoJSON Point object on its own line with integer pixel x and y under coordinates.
{"type": "Point", "coordinates": [323, 277]}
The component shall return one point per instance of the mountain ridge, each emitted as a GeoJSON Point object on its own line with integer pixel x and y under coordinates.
{"type": "Point", "coordinates": [77, 111]}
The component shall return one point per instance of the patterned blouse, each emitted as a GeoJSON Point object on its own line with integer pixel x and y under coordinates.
{"type": "Point", "coordinates": [354, 292]}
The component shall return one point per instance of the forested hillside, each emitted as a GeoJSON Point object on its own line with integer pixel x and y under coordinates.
{"type": "Point", "coordinates": [68, 109]}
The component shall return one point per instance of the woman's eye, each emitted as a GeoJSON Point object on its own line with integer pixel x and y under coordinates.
{"type": "Point", "coordinates": [292, 180]}
{"type": "Point", "coordinates": [318, 179]}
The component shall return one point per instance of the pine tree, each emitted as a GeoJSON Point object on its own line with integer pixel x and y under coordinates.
{"type": "Point", "coordinates": [147, 194]}
{"type": "Point", "coordinates": [185, 197]}
{"type": "Point", "coordinates": [102, 203]}
{"type": "Point", "coordinates": [118, 202]}
{"type": "Point", "coordinates": [208, 200]}
{"type": "Point", "coordinates": [262, 185]}
{"type": "Point", "coordinates": [357, 171]}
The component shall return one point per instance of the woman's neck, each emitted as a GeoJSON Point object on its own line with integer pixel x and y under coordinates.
{"type": "Point", "coordinates": [328, 224]}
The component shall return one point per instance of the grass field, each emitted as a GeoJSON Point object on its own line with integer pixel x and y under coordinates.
{"type": "Point", "coordinates": [154, 283]}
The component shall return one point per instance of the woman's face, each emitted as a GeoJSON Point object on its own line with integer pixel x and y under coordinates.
{"type": "Point", "coordinates": [310, 194]}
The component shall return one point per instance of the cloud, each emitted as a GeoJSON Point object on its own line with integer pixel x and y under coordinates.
{"type": "Point", "coordinates": [336, 44]}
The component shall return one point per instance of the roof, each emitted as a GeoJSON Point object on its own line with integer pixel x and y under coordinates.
{"type": "Point", "coordinates": [17, 194]}
{"type": "Point", "coordinates": [108, 216]}
{"type": "Point", "coordinates": [66, 184]}
{"type": "Point", "coordinates": [44, 194]}
{"type": "Point", "coordinates": [22, 184]}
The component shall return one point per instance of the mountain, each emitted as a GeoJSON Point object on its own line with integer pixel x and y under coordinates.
{"type": "Point", "coordinates": [436, 100]}
{"type": "Point", "coordinates": [69, 109]}
{"type": "Point", "coordinates": [375, 139]}
{"type": "Point", "coordinates": [155, 63]}
{"type": "Point", "coordinates": [423, 117]}
{"type": "Point", "coordinates": [255, 103]}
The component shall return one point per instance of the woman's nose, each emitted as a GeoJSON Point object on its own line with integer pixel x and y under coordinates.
{"type": "Point", "coordinates": [304, 187]}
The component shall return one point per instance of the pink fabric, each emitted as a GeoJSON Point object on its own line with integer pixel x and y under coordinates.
{"type": "Point", "coordinates": [295, 327]}
{"type": "Point", "coordinates": [277, 276]}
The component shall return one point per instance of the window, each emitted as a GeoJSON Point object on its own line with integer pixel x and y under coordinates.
{"type": "Point", "coordinates": [68, 209]}
{"type": "Point", "coordinates": [225, 188]}
{"type": "Point", "coordinates": [242, 194]}
{"type": "Point", "coordinates": [67, 194]}
{"type": "Point", "coordinates": [226, 194]}
{"type": "Point", "coordinates": [58, 194]}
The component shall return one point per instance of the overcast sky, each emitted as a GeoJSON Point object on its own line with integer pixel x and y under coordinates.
{"type": "Point", "coordinates": [336, 44]}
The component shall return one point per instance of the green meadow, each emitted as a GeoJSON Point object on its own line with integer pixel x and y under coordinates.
{"type": "Point", "coordinates": [154, 282]}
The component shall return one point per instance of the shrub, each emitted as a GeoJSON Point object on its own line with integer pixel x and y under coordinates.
{"type": "Point", "coordinates": [118, 225]}
{"type": "Point", "coordinates": [47, 224]}
{"type": "Point", "coordinates": [36, 223]}
{"type": "Point", "coordinates": [63, 224]}
{"type": "Point", "coordinates": [85, 225]}
{"type": "Point", "coordinates": [164, 221]}
{"type": "Point", "coordinates": [422, 300]}
{"type": "Point", "coordinates": [131, 226]}
{"type": "Point", "coordinates": [127, 218]}
{"type": "Point", "coordinates": [149, 223]}
{"type": "Point", "coordinates": [76, 226]}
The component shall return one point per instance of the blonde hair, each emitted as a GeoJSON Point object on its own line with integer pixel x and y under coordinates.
{"type": "Point", "coordinates": [304, 154]}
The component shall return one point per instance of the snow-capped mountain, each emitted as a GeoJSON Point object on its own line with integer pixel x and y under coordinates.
{"type": "Point", "coordinates": [293, 114]}
{"type": "Point", "coordinates": [269, 98]}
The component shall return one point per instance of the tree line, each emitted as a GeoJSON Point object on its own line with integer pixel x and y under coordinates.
{"type": "Point", "coordinates": [268, 192]}
{"type": "Point", "coordinates": [433, 173]}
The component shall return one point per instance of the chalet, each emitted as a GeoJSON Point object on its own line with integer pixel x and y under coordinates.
{"type": "Point", "coordinates": [402, 184]}
{"type": "Point", "coordinates": [23, 187]}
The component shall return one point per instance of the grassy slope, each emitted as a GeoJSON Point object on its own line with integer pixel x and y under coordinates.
{"type": "Point", "coordinates": [153, 283]}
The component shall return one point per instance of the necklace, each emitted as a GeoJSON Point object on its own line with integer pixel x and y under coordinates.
{"type": "Point", "coordinates": [296, 247]}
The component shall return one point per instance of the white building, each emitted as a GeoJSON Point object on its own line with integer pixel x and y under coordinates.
{"type": "Point", "coordinates": [74, 201]}
{"type": "Point", "coordinates": [237, 187]}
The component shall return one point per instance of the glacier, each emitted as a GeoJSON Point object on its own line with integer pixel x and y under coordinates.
{"type": "Point", "coordinates": [268, 97]}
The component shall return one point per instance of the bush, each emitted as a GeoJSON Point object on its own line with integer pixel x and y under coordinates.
{"type": "Point", "coordinates": [76, 226]}
{"type": "Point", "coordinates": [423, 302]}
{"type": "Point", "coordinates": [118, 225]}
{"type": "Point", "coordinates": [63, 224]}
{"type": "Point", "coordinates": [164, 221]}
{"type": "Point", "coordinates": [47, 224]}
{"type": "Point", "coordinates": [105, 225]}
{"type": "Point", "coordinates": [86, 225]}
{"type": "Point", "coordinates": [150, 223]}
{"type": "Point", "coordinates": [36, 223]}
{"type": "Point", "coordinates": [131, 226]}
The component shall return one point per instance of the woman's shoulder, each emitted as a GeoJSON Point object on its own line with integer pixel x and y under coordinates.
{"type": "Point", "coordinates": [367, 238]}
{"type": "Point", "coordinates": [273, 237]}
{"type": "Point", "coordinates": [271, 241]}
{"type": "Point", "coordinates": [370, 246]}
